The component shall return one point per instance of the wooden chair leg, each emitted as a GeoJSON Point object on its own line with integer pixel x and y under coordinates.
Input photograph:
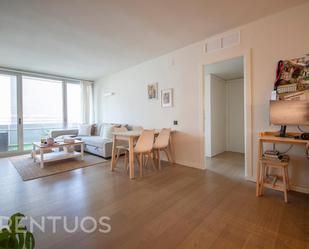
{"type": "Point", "coordinates": [137, 158]}
{"type": "Point", "coordinates": [286, 170]}
{"type": "Point", "coordinates": [126, 161]}
{"type": "Point", "coordinates": [159, 160]}
{"type": "Point", "coordinates": [152, 162]}
{"type": "Point", "coordinates": [258, 178]}
{"type": "Point", "coordinates": [141, 165]}
{"type": "Point", "coordinates": [267, 171]}
{"type": "Point", "coordinates": [155, 152]}
{"type": "Point", "coordinates": [285, 185]}
{"type": "Point", "coordinates": [146, 160]}
{"type": "Point", "coordinates": [155, 159]}
{"type": "Point", "coordinates": [262, 178]}
{"type": "Point", "coordinates": [167, 155]}
{"type": "Point", "coordinates": [117, 156]}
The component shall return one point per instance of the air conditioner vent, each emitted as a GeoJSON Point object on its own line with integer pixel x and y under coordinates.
{"type": "Point", "coordinates": [224, 41]}
{"type": "Point", "coordinates": [213, 45]}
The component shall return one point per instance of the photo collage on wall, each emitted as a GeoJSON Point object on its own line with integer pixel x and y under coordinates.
{"type": "Point", "coordinates": [292, 79]}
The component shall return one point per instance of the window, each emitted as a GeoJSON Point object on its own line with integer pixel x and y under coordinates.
{"type": "Point", "coordinates": [31, 106]}
{"type": "Point", "coordinates": [8, 113]}
{"type": "Point", "coordinates": [73, 104]}
{"type": "Point", "coordinates": [42, 108]}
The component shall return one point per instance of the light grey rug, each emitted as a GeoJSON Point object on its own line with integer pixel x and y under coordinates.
{"type": "Point", "coordinates": [29, 170]}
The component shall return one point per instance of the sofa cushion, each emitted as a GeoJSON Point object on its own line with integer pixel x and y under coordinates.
{"type": "Point", "coordinates": [60, 133]}
{"type": "Point", "coordinates": [96, 141]}
{"type": "Point", "coordinates": [84, 130]}
{"type": "Point", "coordinates": [93, 129]}
{"type": "Point", "coordinates": [107, 131]}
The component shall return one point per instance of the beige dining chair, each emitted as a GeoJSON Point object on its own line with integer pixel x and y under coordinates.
{"type": "Point", "coordinates": [161, 144]}
{"type": "Point", "coordinates": [142, 148]}
{"type": "Point", "coordinates": [123, 146]}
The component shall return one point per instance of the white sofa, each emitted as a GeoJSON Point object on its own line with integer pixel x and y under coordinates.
{"type": "Point", "coordinates": [98, 143]}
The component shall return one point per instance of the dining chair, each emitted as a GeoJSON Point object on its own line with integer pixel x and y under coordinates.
{"type": "Point", "coordinates": [123, 147]}
{"type": "Point", "coordinates": [143, 148]}
{"type": "Point", "coordinates": [161, 144]}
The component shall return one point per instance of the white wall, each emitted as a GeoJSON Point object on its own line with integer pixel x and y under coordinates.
{"type": "Point", "coordinates": [224, 115]}
{"type": "Point", "coordinates": [216, 123]}
{"type": "Point", "coordinates": [235, 116]}
{"type": "Point", "coordinates": [280, 36]}
{"type": "Point", "coordinates": [207, 115]}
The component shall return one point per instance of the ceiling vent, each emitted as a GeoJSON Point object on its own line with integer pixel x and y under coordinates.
{"type": "Point", "coordinates": [224, 41]}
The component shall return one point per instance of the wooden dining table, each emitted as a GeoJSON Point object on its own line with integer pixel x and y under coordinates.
{"type": "Point", "coordinates": [131, 137]}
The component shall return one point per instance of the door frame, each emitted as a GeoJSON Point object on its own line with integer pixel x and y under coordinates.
{"type": "Point", "coordinates": [19, 125]}
{"type": "Point", "coordinates": [248, 132]}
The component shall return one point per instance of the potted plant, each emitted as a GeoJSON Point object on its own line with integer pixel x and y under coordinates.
{"type": "Point", "coordinates": [16, 236]}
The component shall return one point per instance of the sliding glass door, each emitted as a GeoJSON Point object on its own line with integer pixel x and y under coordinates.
{"type": "Point", "coordinates": [42, 108]}
{"type": "Point", "coordinates": [8, 114]}
{"type": "Point", "coordinates": [73, 100]}
{"type": "Point", "coordinates": [30, 107]}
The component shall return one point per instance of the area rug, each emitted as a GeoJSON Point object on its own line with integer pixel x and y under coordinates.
{"type": "Point", "coordinates": [29, 170]}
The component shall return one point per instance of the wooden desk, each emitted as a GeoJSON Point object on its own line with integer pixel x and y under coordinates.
{"type": "Point", "coordinates": [273, 137]}
{"type": "Point", "coordinates": [131, 137]}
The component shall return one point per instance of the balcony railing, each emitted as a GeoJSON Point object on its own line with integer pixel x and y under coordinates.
{"type": "Point", "coordinates": [31, 132]}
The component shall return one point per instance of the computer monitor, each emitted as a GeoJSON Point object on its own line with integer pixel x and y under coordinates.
{"type": "Point", "coordinates": [290, 112]}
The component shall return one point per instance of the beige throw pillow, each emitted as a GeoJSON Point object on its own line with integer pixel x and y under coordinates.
{"type": "Point", "coordinates": [107, 131]}
{"type": "Point", "coordinates": [84, 130]}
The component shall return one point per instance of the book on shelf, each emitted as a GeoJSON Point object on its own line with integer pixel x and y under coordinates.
{"type": "Point", "coordinates": [276, 158]}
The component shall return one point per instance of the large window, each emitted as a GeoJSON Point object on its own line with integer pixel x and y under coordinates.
{"type": "Point", "coordinates": [32, 106]}
{"type": "Point", "coordinates": [42, 108]}
{"type": "Point", "coordinates": [8, 113]}
{"type": "Point", "coordinates": [73, 104]}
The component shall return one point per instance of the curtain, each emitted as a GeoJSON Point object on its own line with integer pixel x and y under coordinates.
{"type": "Point", "coordinates": [86, 102]}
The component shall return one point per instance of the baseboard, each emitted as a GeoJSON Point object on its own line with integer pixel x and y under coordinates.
{"type": "Point", "coordinates": [250, 178]}
{"type": "Point", "coordinates": [188, 164]}
{"type": "Point", "coordinates": [14, 153]}
{"type": "Point", "coordinates": [300, 189]}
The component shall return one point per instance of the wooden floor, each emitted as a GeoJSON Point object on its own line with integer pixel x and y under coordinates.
{"type": "Point", "coordinates": [179, 207]}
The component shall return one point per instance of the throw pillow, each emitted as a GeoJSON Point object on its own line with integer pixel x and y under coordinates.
{"type": "Point", "coordinates": [93, 129]}
{"type": "Point", "coordinates": [107, 131]}
{"type": "Point", "coordinates": [84, 130]}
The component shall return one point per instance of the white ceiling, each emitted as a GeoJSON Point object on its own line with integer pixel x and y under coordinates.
{"type": "Point", "coordinates": [91, 38]}
{"type": "Point", "coordinates": [228, 69]}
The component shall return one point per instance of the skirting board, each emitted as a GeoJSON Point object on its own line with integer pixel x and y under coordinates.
{"type": "Point", "coordinates": [248, 178]}
{"type": "Point", "coordinates": [296, 188]}
{"type": "Point", "coordinates": [189, 164]}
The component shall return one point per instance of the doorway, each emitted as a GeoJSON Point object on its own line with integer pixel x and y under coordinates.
{"type": "Point", "coordinates": [225, 117]}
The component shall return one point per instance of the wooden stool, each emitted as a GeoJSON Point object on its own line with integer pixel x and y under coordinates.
{"type": "Point", "coordinates": [271, 181]}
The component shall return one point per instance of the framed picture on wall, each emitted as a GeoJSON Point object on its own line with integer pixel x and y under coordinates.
{"type": "Point", "coordinates": [167, 98]}
{"type": "Point", "coordinates": [152, 90]}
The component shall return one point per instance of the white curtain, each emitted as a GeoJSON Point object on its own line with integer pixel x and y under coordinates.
{"type": "Point", "coordinates": [86, 102]}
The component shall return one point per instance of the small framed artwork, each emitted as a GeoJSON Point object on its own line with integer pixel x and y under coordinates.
{"type": "Point", "coordinates": [152, 90]}
{"type": "Point", "coordinates": [167, 97]}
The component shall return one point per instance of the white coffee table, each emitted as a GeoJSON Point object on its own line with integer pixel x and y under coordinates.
{"type": "Point", "coordinates": [51, 156]}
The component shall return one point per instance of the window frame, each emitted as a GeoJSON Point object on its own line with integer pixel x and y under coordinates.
{"type": "Point", "coordinates": [19, 81]}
